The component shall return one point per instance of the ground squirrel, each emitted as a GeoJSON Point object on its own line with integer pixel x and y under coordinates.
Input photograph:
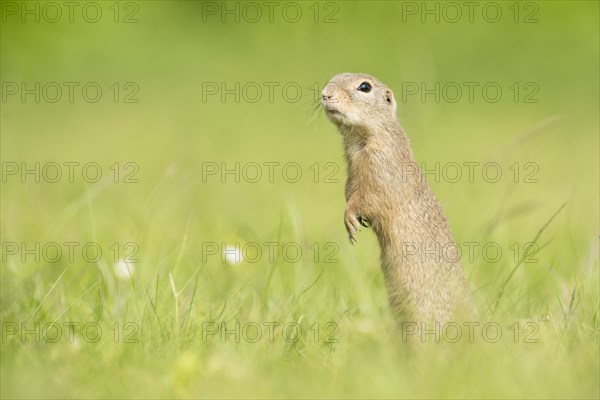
{"type": "Point", "coordinates": [387, 191]}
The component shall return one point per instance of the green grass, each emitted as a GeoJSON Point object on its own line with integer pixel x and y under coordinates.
{"type": "Point", "coordinates": [156, 327]}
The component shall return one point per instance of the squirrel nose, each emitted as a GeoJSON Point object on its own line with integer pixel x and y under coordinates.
{"type": "Point", "coordinates": [326, 97]}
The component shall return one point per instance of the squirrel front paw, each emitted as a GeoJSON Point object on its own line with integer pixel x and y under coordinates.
{"type": "Point", "coordinates": [353, 223]}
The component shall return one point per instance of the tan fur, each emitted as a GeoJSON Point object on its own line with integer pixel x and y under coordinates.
{"type": "Point", "coordinates": [387, 191]}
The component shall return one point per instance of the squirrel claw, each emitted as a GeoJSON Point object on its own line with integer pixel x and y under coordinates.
{"type": "Point", "coordinates": [352, 239]}
{"type": "Point", "coordinates": [352, 226]}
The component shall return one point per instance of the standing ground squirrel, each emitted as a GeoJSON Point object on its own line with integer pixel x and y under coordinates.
{"type": "Point", "coordinates": [387, 191]}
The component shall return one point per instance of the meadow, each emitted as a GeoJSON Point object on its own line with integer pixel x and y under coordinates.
{"type": "Point", "coordinates": [172, 198]}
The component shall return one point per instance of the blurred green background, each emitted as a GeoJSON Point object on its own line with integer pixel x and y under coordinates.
{"type": "Point", "coordinates": [164, 57]}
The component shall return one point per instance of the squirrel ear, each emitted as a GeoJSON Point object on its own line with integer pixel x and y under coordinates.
{"type": "Point", "coordinates": [389, 97]}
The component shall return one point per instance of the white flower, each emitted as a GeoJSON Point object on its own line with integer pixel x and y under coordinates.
{"type": "Point", "coordinates": [124, 269]}
{"type": "Point", "coordinates": [233, 255]}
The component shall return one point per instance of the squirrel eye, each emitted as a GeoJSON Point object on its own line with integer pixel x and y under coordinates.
{"type": "Point", "coordinates": [364, 87]}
